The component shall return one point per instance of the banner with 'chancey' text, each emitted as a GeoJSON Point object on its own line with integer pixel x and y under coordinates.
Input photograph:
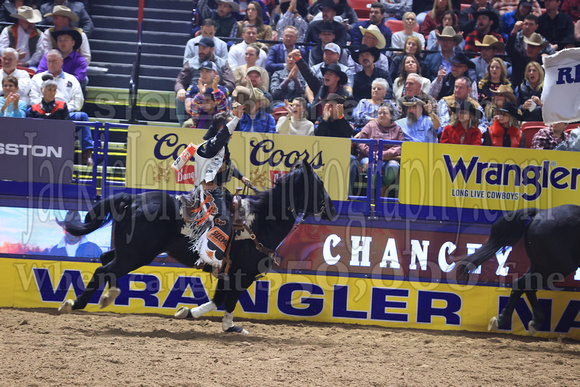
{"type": "Point", "coordinates": [260, 157]}
{"type": "Point", "coordinates": [36, 150]}
{"type": "Point", "coordinates": [490, 178]}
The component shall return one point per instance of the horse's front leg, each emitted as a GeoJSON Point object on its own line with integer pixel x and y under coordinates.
{"type": "Point", "coordinates": [518, 289]}
{"type": "Point", "coordinates": [538, 313]}
{"type": "Point", "coordinates": [238, 283]}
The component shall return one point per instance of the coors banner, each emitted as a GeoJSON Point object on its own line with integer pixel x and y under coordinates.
{"type": "Point", "coordinates": [561, 94]}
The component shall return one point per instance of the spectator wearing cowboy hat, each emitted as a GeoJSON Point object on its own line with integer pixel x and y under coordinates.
{"type": "Point", "coordinates": [505, 130]}
{"type": "Point", "coordinates": [68, 41]}
{"type": "Point", "coordinates": [499, 96]}
{"type": "Point", "coordinates": [255, 118]}
{"type": "Point", "coordinates": [463, 127]}
{"type": "Point", "coordinates": [447, 40]}
{"type": "Point", "coordinates": [377, 19]}
{"type": "Point", "coordinates": [344, 13]}
{"type": "Point", "coordinates": [444, 83]}
{"type": "Point", "coordinates": [224, 17]}
{"type": "Point", "coordinates": [417, 126]}
{"type": "Point", "coordinates": [367, 57]}
{"type": "Point", "coordinates": [24, 37]}
{"type": "Point", "coordinates": [329, 10]}
{"type": "Point", "coordinates": [489, 48]}
{"type": "Point", "coordinates": [467, 18]}
{"type": "Point", "coordinates": [534, 45]}
{"type": "Point", "coordinates": [84, 21]}
{"type": "Point", "coordinates": [525, 29]}
{"type": "Point", "coordinates": [372, 37]}
{"type": "Point", "coordinates": [332, 122]}
{"type": "Point", "coordinates": [487, 24]}
{"type": "Point", "coordinates": [74, 246]}
{"type": "Point", "coordinates": [63, 17]}
{"type": "Point", "coordinates": [333, 80]}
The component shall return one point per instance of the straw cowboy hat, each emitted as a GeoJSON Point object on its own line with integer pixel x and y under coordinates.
{"type": "Point", "coordinates": [61, 10]}
{"type": "Point", "coordinates": [449, 32]}
{"type": "Point", "coordinates": [373, 29]}
{"type": "Point", "coordinates": [491, 41]}
{"type": "Point", "coordinates": [507, 92]}
{"type": "Point", "coordinates": [28, 14]}
{"type": "Point", "coordinates": [412, 101]}
{"type": "Point", "coordinates": [535, 40]}
{"type": "Point", "coordinates": [243, 94]}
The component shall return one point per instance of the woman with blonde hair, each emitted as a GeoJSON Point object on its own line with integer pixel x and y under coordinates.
{"type": "Point", "coordinates": [399, 38]}
{"type": "Point", "coordinates": [530, 92]}
{"type": "Point", "coordinates": [495, 76]}
{"type": "Point", "coordinates": [505, 130]}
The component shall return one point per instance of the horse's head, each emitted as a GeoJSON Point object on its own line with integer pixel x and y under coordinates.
{"type": "Point", "coordinates": [311, 197]}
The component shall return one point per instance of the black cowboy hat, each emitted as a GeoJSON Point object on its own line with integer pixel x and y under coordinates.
{"type": "Point", "coordinates": [338, 8]}
{"type": "Point", "coordinates": [568, 40]}
{"type": "Point", "coordinates": [461, 58]}
{"type": "Point", "coordinates": [72, 33]}
{"type": "Point", "coordinates": [512, 110]}
{"type": "Point", "coordinates": [335, 68]}
{"type": "Point", "coordinates": [470, 107]}
{"type": "Point", "coordinates": [376, 53]}
{"type": "Point", "coordinates": [71, 216]}
{"type": "Point", "coordinates": [493, 16]}
{"type": "Point", "coordinates": [334, 97]}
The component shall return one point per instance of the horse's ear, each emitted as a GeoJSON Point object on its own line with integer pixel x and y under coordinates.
{"type": "Point", "coordinates": [304, 165]}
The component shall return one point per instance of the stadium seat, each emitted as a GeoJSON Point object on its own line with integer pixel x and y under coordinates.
{"type": "Point", "coordinates": [361, 7]}
{"type": "Point", "coordinates": [529, 129]}
{"type": "Point", "coordinates": [397, 25]}
{"type": "Point", "coordinates": [465, 6]}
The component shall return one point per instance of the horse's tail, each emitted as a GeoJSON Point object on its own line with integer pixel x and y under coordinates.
{"type": "Point", "coordinates": [506, 231]}
{"type": "Point", "coordinates": [102, 213]}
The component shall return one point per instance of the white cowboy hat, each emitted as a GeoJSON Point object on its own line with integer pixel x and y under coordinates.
{"type": "Point", "coordinates": [373, 29]}
{"type": "Point", "coordinates": [28, 14]}
{"type": "Point", "coordinates": [61, 10]}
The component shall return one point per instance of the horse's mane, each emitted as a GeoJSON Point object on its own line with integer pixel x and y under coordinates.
{"type": "Point", "coordinates": [261, 202]}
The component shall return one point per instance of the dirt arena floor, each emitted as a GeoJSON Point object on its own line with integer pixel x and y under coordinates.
{"type": "Point", "coordinates": [40, 348]}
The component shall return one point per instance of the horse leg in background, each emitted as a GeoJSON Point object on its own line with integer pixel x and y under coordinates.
{"type": "Point", "coordinates": [518, 289]}
{"type": "Point", "coordinates": [102, 275]}
{"type": "Point", "coordinates": [217, 300]}
{"type": "Point", "coordinates": [538, 313]}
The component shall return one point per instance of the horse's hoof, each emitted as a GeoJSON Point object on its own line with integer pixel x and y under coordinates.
{"type": "Point", "coordinates": [182, 313]}
{"type": "Point", "coordinates": [532, 328]}
{"type": "Point", "coordinates": [492, 325]}
{"type": "Point", "coordinates": [109, 297]}
{"type": "Point", "coordinates": [66, 306]}
{"type": "Point", "coordinates": [237, 329]}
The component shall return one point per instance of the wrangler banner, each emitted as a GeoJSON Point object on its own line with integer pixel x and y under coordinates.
{"type": "Point", "coordinates": [260, 157]}
{"type": "Point", "coordinates": [488, 178]}
{"type": "Point", "coordinates": [325, 298]}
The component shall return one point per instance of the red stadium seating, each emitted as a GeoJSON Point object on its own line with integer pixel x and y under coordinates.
{"type": "Point", "coordinates": [530, 128]}
{"type": "Point", "coordinates": [360, 7]}
{"type": "Point", "coordinates": [397, 25]}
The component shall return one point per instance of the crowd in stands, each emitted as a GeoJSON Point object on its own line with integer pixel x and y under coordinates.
{"type": "Point", "coordinates": [447, 74]}
{"type": "Point", "coordinates": [44, 74]}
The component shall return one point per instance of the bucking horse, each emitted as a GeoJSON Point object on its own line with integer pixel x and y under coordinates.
{"type": "Point", "coordinates": [149, 224]}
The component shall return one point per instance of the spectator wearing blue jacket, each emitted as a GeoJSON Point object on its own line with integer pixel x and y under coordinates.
{"type": "Point", "coordinates": [255, 119]}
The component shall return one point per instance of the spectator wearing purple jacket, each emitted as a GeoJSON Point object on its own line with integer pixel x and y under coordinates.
{"type": "Point", "coordinates": [68, 41]}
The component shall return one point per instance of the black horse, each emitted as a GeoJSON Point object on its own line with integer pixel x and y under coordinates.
{"type": "Point", "coordinates": [149, 224]}
{"type": "Point", "coordinates": [552, 243]}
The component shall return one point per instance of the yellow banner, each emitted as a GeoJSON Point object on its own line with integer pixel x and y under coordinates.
{"type": "Point", "coordinates": [367, 301]}
{"type": "Point", "coordinates": [260, 157]}
{"type": "Point", "coordinates": [489, 178]}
